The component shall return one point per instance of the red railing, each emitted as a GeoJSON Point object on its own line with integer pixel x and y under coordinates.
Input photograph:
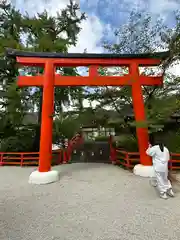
{"type": "Point", "coordinates": [175, 161]}
{"type": "Point", "coordinates": [27, 158]}
{"type": "Point", "coordinates": [32, 158]}
{"type": "Point", "coordinates": [74, 142]}
{"type": "Point", "coordinates": [130, 159]}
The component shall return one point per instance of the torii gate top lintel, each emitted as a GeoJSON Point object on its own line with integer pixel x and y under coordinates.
{"type": "Point", "coordinates": [93, 61]}
{"type": "Point", "coordinates": [18, 53]}
{"type": "Point", "coordinates": [85, 59]}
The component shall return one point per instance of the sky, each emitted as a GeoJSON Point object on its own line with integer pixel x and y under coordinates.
{"type": "Point", "coordinates": [104, 16]}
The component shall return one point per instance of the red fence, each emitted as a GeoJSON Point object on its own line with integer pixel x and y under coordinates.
{"type": "Point", "coordinates": [74, 142]}
{"type": "Point", "coordinates": [130, 159]}
{"type": "Point", "coordinates": [32, 158]}
{"type": "Point", "coordinates": [117, 156]}
{"type": "Point", "coordinates": [27, 158]}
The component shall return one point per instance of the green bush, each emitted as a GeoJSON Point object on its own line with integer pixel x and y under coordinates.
{"type": "Point", "coordinates": [22, 141]}
{"type": "Point", "coordinates": [172, 141]}
{"type": "Point", "coordinates": [64, 128]}
{"type": "Point", "coordinates": [127, 142]}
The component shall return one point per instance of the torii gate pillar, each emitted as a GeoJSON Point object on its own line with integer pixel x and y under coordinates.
{"type": "Point", "coordinates": [44, 174]}
{"type": "Point", "coordinates": [49, 80]}
{"type": "Point", "coordinates": [144, 169]}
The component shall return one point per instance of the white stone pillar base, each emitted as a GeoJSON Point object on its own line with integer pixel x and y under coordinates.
{"type": "Point", "coordinates": [144, 171]}
{"type": "Point", "coordinates": [37, 177]}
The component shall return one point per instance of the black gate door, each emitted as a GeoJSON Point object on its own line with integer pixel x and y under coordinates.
{"type": "Point", "coordinates": [98, 152]}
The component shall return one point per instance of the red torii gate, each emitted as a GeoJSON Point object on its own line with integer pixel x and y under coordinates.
{"type": "Point", "coordinates": [49, 80]}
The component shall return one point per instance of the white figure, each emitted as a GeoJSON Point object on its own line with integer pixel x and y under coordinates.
{"type": "Point", "coordinates": [160, 158]}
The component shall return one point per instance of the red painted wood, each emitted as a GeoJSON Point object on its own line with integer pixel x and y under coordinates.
{"type": "Point", "coordinates": [93, 71]}
{"type": "Point", "coordinates": [140, 116]}
{"type": "Point", "coordinates": [75, 62]}
{"type": "Point", "coordinates": [25, 81]}
{"type": "Point", "coordinates": [49, 80]}
{"type": "Point", "coordinates": [30, 81]}
{"type": "Point", "coordinates": [47, 119]}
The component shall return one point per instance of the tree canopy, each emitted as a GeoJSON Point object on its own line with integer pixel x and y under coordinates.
{"type": "Point", "coordinates": [33, 33]}
{"type": "Point", "coordinates": [142, 35]}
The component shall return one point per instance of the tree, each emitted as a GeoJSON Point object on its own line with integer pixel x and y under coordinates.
{"type": "Point", "coordinates": [14, 101]}
{"type": "Point", "coordinates": [43, 33]}
{"type": "Point", "coordinates": [54, 34]}
{"type": "Point", "coordinates": [171, 38]}
{"type": "Point", "coordinates": [65, 127]}
{"type": "Point", "coordinates": [140, 35]}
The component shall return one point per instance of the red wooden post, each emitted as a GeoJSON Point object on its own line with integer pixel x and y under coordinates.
{"type": "Point", "coordinates": [60, 157]}
{"type": "Point", "coordinates": [128, 165]}
{"type": "Point", "coordinates": [1, 159]}
{"type": "Point", "coordinates": [64, 156]}
{"type": "Point", "coordinates": [47, 118]}
{"type": "Point", "coordinates": [140, 116]}
{"type": "Point", "coordinates": [22, 159]}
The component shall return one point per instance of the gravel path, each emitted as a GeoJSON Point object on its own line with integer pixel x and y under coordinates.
{"type": "Point", "coordinates": [90, 202]}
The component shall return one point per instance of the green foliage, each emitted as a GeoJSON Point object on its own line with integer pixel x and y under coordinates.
{"type": "Point", "coordinates": [127, 142]}
{"type": "Point", "coordinates": [13, 101]}
{"type": "Point", "coordinates": [141, 35]}
{"type": "Point", "coordinates": [48, 34]}
{"type": "Point", "coordinates": [21, 141]}
{"type": "Point", "coordinates": [55, 34]}
{"type": "Point", "coordinates": [43, 33]}
{"type": "Point", "coordinates": [64, 128]}
{"type": "Point", "coordinates": [172, 140]}
{"type": "Point", "coordinates": [171, 38]}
